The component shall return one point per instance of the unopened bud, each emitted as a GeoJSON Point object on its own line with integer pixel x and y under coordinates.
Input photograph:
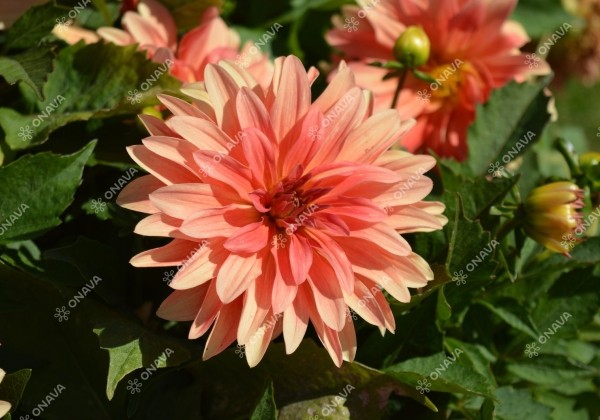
{"type": "Point", "coordinates": [412, 47]}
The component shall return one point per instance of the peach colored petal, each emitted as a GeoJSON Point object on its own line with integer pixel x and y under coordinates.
{"type": "Point", "coordinates": [135, 195]}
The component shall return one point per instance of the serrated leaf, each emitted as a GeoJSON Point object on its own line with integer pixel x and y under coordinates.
{"type": "Point", "coordinates": [132, 347]}
{"type": "Point", "coordinates": [503, 122]}
{"type": "Point", "coordinates": [574, 299]}
{"type": "Point", "coordinates": [478, 194]}
{"type": "Point", "coordinates": [36, 190]}
{"type": "Point", "coordinates": [550, 370]}
{"type": "Point", "coordinates": [470, 258]}
{"type": "Point", "coordinates": [30, 67]}
{"type": "Point", "coordinates": [34, 25]}
{"type": "Point", "coordinates": [266, 408]}
{"type": "Point", "coordinates": [451, 376]}
{"type": "Point", "coordinates": [518, 404]}
{"type": "Point", "coordinates": [100, 79]}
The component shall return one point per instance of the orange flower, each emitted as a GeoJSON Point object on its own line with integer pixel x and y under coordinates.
{"type": "Point", "coordinates": [474, 50]}
{"type": "Point", "coordinates": [290, 209]}
{"type": "Point", "coordinates": [153, 28]}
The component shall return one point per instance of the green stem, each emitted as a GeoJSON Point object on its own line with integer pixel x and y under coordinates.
{"type": "Point", "coordinates": [568, 152]}
{"type": "Point", "coordinates": [507, 227]}
{"type": "Point", "coordinates": [401, 81]}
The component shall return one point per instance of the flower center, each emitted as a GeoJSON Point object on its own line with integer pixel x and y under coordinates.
{"type": "Point", "coordinates": [448, 78]}
{"type": "Point", "coordinates": [289, 204]}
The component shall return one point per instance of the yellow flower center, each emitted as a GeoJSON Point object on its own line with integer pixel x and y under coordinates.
{"type": "Point", "coordinates": [448, 78]}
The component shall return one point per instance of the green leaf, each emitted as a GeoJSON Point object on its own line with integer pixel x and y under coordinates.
{"type": "Point", "coordinates": [550, 370]}
{"type": "Point", "coordinates": [132, 347]}
{"type": "Point", "coordinates": [13, 385]}
{"type": "Point", "coordinates": [574, 298]}
{"type": "Point", "coordinates": [476, 356]}
{"type": "Point", "coordinates": [266, 408]}
{"type": "Point", "coordinates": [541, 17]}
{"type": "Point", "coordinates": [470, 258]}
{"type": "Point", "coordinates": [513, 314]}
{"type": "Point", "coordinates": [36, 190]}
{"type": "Point", "coordinates": [100, 80]}
{"type": "Point", "coordinates": [444, 311]}
{"type": "Point", "coordinates": [306, 374]}
{"type": "Point", "coordinates": [503, 124]}
{"type": "Point", "coordinates": [478, 194]}
{"type": "Point", "coordinates": [441, 374]}
{"type": "Point", "coordinates": [518, 404]}
{"type": "Point", "coordinates": [564, 408]}
{"type": "Point", "coordinates": [34, 25]}
{"type": "Point", "coordinates": [92, 258]}
{"type": "Point", "coordinates": [70, 355]}
{"type": "Point", "coordinates": [31, 67]}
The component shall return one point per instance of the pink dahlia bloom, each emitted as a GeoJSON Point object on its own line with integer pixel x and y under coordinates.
{"type": "Point", "coordinates": [474, 50]}
{"type": "Point", "coordinates": [153, 28]}
{"type": "Point", "coordinates": [281, 210]}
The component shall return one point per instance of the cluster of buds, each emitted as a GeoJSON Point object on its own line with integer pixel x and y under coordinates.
{"type": "Point", "coordinates": [552, 214]}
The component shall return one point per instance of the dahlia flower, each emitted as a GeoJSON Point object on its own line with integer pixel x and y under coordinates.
{"type": "Point", "coordinates": [281, 211]}
{"type": "Point", "coordinates": [474, 50]}
{"type": "Point", "coordinates": [4, 405]}
{"type": "Point", "coordinates": [153, 28]}
{"type": "Point", "coordinates": [552, 217]}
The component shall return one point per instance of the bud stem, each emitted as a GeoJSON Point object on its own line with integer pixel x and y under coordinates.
{"type": "Point", "coordinates": [401, 81]}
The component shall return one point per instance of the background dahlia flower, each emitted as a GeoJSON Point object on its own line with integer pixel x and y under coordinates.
{"type": "Point", "coordinates": [281, 210]}
{"type": "Point", "coordinates": [153, 28]}
{"type": "Point", "coordinates": [474, 49]}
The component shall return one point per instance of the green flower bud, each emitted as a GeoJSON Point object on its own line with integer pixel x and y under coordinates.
{"type": "Point", "coordinates": [412, 47]}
